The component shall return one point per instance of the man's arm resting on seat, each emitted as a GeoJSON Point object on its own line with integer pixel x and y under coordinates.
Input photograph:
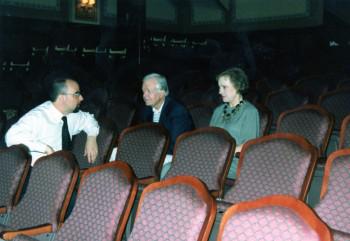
{"type": "Point", "coordinates": [91, 149]}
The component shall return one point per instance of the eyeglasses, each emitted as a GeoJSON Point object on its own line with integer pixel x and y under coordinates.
{"type": "Point", "coordinates": [77, 94]}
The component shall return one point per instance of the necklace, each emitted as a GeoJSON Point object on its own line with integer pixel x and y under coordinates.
{"type": "Point", "coordinates": [226, 115]}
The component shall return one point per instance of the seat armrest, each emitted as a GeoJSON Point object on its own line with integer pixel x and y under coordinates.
{"type": "Point", "coordinates": [222, 205]}
{"type": "Point", "coordinates": [3, 209]}
{"type": "Point", "coordinates": [8, 235]}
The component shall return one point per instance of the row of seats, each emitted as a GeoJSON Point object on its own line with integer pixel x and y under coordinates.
{"type": "Point", "coordinates": [314, 122]}
{"type": "Point", "coordinates": [335, 102]}
{"type": "Point", "coordinates": [144, 146]}
{"type": "Point", "coordinates": [177, 208]}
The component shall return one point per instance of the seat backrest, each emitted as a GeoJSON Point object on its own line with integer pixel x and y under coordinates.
{"type": "Point", "coordinates": [48, 193]}
{"type": "Point", "coordinates": [144, 147]}
{"type": "Point", "coordinates": [338, 103]}
{"type": "Point", "coordinates": [191, 97]}
{"type": "Point", "coordinates": [205, 153]}
{"type": "Point", "coordinates": [178, 208]}
{"type": "Point", "coordinates": [95, 102]}
{"type": "Point", "coordinates": [201, 115]}
{"type": "Point", "coordinates": [14, 167]}
{"type": "Point", "coordinates": [344, 136]}
{"type": "Point", "coordinates": [2, 123]}
{"type": "Point", "coordinates": [105, 142]}
{"type": "Point", "coordinates": [280, 163]}
{"type": "Point", "coordinates": [121, 113]}
{"type": "Point", "coordinates": [340, 236]}
{"type": "Point", "coordinates": [105, 197]}
{"type": "Point", "coordinates": [344, 83]}
{"type": "Point", "coordinates": [334, 205]}
{"type": "Point", "coordinates": [277, 217]}
{"type": "Point", "coordinates": [265, 119]}
{"type": "Point", "coordinates": [282, 100]}
{"type": "Point", "coordinates": [313, 87]}
{"type": "Point", "coordinates": [310, 121]}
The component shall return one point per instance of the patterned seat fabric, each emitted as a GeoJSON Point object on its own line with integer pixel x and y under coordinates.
{"type": "Point", "coordinates": [340, 236]}
{"type": "Point", "coordinates": [51, 182]}
{"type": "Point", "coordinates": [334, 205]}
{"type": "Point", "coordinates": [100, 205]}
{"type": "Point", "coordinates": [344, 138]}
{"type": "Point", "coordinates": [313, 87]}
{"type": "Point", "coordinates": [201, 115]}
{"type": "Point", "coordinates": [275, 164]}
{"type": "Point", "coordinates": [338, 103]}
{"type": "Point", "coordinates": [173, 212]}
{"type": "Point", "coordinates": [282, 100]}
{"type": "Point", "coordinates": [276, 223]}
{"type": "Point", "coordinates": [24, 238]}
{"type": "Point", "coordinates": [14, 166]}
{"type": "Point", "coordinates": [310, 121]}
{"type": "Point", "coordinates": [95, 102]}
{"type": "Point", "coordinates": [143, 147]}
{"type": "Point", "coordinates": [292, 220]}
{"type": "Point", "coordinates": [265, 119]}
{"type": "Point", "coordinates": [205, 153]}
{"type": "Point", "coordinates": [121, 113]}
{"type": "Point", "coordinates": [104, 140]}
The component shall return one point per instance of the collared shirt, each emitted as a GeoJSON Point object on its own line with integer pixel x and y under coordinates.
{"type": "Point", "coordinates": [42, 127]}
{"type": "Point", "coordinates": [156, 113]}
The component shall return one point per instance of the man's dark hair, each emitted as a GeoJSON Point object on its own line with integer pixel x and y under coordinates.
{"type": "Point", "coordinates": [57, 84]}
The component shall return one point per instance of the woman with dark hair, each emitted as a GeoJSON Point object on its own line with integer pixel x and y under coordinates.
{"type": "Point", "coordinates": [236, 115]}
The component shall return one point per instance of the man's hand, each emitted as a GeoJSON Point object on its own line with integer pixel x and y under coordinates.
{"type": "Point", "coordinates": [91, 149]}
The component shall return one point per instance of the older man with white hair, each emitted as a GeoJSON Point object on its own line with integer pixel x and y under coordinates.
{"type": "Point", "coordinates": [161, 108]}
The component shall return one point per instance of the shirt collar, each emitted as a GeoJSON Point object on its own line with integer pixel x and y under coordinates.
{"type": "Point", "coordinates": [56, 114]}
{"type": "Point", "coordinates": [160, 109]}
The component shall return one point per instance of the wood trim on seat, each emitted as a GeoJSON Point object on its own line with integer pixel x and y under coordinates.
{"type": "Point", "coordinates": [228, 138]}
{"type": "Point", "coordinates": [344, 125]}
{"type": "Point", "coordinates": [263, 109]}
{"type": "Point", "coordinates": [71, 158]}
{"type": "Point", "coordinates": [298, 140]}
{"type": "Point", "coordinates": [328, 167]}
{"type": "Point", "coordinates": [128, 172]}
{"type": "Point", "coordinates": [164, 132]}
{"type": "Point", "coordinates": [22, 148]}
{"type": "Point", "coordinates": [298, 207]}
{"type": "Point", "coordinates": [322, 111]}
{"type": "Point", "coordinates": [330, 94]}
{"type": "Point", "coordinates": [201, 190]}
{"type": "Point", "coordinates": [9, 235]}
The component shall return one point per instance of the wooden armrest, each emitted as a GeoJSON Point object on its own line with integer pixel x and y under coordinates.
{"type": "Point", "coordinates": [8, 235]}
{"type": "Point", "coordinates": [222, 205]}
{"type": "Point", "coordinates": [3, 209]}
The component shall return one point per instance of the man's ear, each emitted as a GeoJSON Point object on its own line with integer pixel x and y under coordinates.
{"type": "Point", "coordinates": [60, 98]}
{"type": "Point", "coordinates": [163, 93]}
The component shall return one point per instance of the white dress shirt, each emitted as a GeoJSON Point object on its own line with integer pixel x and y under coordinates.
{"type": "Point", "coordinates": [42, 127]}
{"type": "Point", "coordinates": [157, 113]}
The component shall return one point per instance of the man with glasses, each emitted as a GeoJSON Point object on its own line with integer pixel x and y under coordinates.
{"type": "Point", "coordinates": [50, 126]}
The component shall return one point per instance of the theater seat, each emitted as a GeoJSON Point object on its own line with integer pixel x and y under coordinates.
{"type": "Point", "coordinates": [276, 217]}
{"type": "Point", "coordinates": [106, 195]}
{"type": "Point", "coordinates": [14, 167]}
{"type": "Point", "coordinates": [178, 208]}
{"type": "Point", "coordinates": [44, 204]}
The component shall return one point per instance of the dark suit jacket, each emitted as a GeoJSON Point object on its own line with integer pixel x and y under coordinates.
{"type": "Point", "coordinates": [174, 117]}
